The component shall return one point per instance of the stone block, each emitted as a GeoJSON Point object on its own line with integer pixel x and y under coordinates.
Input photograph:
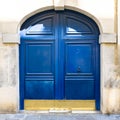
{"type": "Point", "coordinates": [11, 38]}
{"type": "Point", "coordinates": [107, 38]}
{"type": "Point", "coordinates": [59, 4]}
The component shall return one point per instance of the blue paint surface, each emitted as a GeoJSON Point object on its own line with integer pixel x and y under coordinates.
{"type": "Point", "coordinates": [39, 58]}
{"type": "Point", "coordinates": [79, 89]}
{"type": "Point", "coordinates": [37, 89]}
{"type": "Point", "coordinates": [59, 57]}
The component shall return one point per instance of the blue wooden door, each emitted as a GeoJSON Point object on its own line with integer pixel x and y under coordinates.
{"type": "Point", "coordinates": [59, 57]}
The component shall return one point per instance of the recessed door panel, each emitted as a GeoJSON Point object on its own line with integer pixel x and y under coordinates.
{"type": "Point", "coordinates": [38, 89]}
{"type": "Point", "coordinates": [79, 58]}
{"type": "Point", "coordinates": [41, 27]}
{"type": "Point", "coordinates": [82, 89]}
{"type": "Point", "coordinates": [79, 63]}
{"type": "Point", "coordinates": [79, 26]}
{"type": "Point", "coordinates": [39, 58]}
{"type": "Point", "coordinates": [39, 77]}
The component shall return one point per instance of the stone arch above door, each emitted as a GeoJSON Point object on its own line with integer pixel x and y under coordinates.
{"type": "Point", "coordinates": [77, 9]}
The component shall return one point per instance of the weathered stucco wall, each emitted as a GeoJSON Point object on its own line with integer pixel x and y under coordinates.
{"type": "Point", "coordinates": [8, 77]}
{"type": "Point", "coordinates": [110, 81]}
{"type": "Point", "coordinates": [14, 13]}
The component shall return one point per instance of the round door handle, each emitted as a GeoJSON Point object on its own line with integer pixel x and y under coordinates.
{"type": "Point", "coordinates": [78, 69]}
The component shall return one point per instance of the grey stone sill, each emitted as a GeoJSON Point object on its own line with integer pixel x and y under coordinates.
{"type": "Point", "coordinates": [10, 38]}
{"type": "Point", "coordinates": [107, 38]}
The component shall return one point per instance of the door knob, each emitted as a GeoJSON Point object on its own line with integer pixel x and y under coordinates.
{"type": "Point", "coordinates": [78, 69]}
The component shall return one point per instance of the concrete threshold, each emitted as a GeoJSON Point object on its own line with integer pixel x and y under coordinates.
{"type": "Point", "coordinates": [60, 111]}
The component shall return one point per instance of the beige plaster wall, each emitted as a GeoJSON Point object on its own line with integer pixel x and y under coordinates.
{"type": "Point", "coordinates": [14, 13]}
{"type": "Point", "coordinates": [110, 79]}
{"type": "Point", "coordinates": [8, 77]}
{"type": "Point", "coordinates": [118, 21]}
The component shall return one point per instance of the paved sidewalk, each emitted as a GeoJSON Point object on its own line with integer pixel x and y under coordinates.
{"type": "Point", "coordinates": [59, 116]}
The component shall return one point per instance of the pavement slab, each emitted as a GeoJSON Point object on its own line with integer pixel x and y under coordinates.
{"type": "Point", "coordinates": [59, 116]}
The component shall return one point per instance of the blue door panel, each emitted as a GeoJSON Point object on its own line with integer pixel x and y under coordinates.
{"type": "Point", "coordinates": [79, 58]}
{"type": "Point", "coordinates": [44, 26]}
{"type": "Point", "coordinates": [39, 76]}
{"type": "Point", "coordinates": [76, 24]}
{"type": "Point", "coordinates": [79, 89]}
{"type": "Point", "coordinates": [79, 27]}
{"type": "Point", "coordinates": [39, 58]}
{"type": "Point", "coordinates": [39, 89]}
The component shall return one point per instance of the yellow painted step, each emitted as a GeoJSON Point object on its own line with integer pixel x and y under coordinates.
{"type": "Point", "coordinates": [59, 105]}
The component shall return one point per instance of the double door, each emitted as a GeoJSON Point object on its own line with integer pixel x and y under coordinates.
{"type": "Point", "coordinates": [59, 59]}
